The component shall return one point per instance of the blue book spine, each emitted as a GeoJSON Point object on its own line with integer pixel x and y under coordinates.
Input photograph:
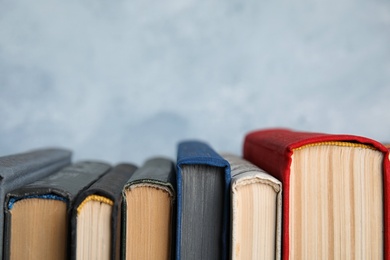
{"type": "Point", "coordinates": [199, 153]}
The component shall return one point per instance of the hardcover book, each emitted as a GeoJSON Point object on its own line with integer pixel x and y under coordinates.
{"type": "Point", "coordinates": [96, 216]}
{"type": "Point", "coordinates": [19, 169]}
{"type": "Point", "coordinates": [256, 212]}
{"type": "Point", "coordinates": [149, 197]}
{"type": "Point", "coordinates": [37, 214]}
{"type": "Point", "coordinates": [335, 192]}
{"type": "Point", "coordinates": [203, 179]}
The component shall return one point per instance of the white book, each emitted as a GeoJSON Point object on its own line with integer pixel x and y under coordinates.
{"type": "Point", "coordinates": [256, 211]}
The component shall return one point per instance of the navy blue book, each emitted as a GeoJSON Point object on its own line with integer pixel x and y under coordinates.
{"type": "Point", "coordinates": [203, 179]}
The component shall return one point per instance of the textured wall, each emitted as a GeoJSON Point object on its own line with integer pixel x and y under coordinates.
{"type": "Point", "coordinates": [126, 80]}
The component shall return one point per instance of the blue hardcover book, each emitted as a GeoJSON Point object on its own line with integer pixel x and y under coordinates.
{"type": "Point", "coordinates": [203, 179]}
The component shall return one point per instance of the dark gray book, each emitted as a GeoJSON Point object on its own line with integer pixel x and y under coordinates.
{"type": "Point", "coordinates": [37, 214]}
{"type": "Point", "coordinates": [149, 197]}
{"type": "Point", "coordinates": [19, 169]}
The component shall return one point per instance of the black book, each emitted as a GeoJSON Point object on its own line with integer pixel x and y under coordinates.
{"type": "Point", "coordinates": [96, 216]}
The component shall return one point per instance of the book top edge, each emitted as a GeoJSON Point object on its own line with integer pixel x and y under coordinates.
{"type": "Point", "coordinates": [197, 152]}
{"type": "Point", "coordinates": [291, 139]}
{"type": "Point", "coordinates": [19, 164]}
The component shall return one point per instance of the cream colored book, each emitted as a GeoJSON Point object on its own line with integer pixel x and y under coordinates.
{"type": "Point", "coordinates": [256, 211]}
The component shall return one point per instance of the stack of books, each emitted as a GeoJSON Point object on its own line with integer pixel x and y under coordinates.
{"type": "Point", "coordinates": [290, 195]}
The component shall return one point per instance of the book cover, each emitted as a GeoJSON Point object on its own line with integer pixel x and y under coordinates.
{"type": "Point", "coordinates": [203, 179]}
{"type": "Point", "coordinates": [297, 157]}
{"type": "Point", "coordinates": [96, 216]}
{"type": "Point", "coordinates": [39, 211]}
{"type": "Point", "coordinates": [19, 169]}
{"type": "Point", "coordinates": [256, 211]}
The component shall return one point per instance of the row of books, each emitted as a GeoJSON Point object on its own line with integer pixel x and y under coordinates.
{"type": "Point", "coordinates": [290, 195]}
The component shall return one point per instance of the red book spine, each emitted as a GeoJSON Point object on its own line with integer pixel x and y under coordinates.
{"type": "Point", "coordinates": [386, 190]}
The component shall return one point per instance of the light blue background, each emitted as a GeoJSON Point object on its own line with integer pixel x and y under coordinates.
{"type": "Point", "coordinates": [122, 81]}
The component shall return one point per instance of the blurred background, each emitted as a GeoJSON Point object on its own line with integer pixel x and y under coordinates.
{"type": "Point", "coordinates": [122, 81]}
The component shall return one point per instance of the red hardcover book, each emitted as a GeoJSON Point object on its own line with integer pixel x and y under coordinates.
{"type": "Point", "coordinates": [335, 192]}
